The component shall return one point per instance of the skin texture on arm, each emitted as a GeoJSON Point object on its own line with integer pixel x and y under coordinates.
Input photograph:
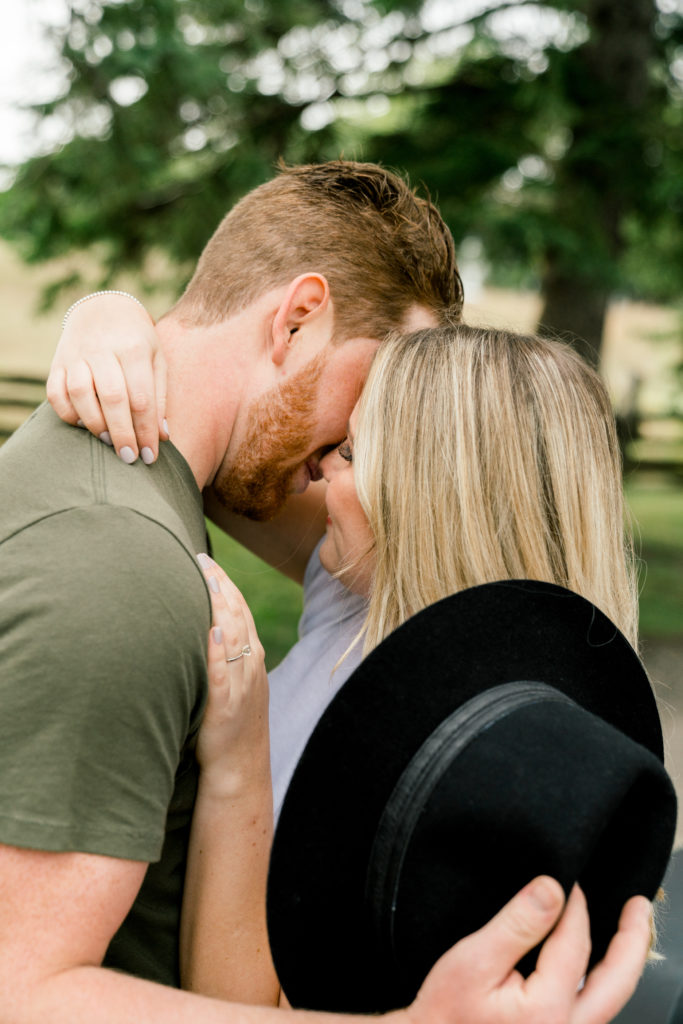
{"type": "Point", "coordinates": [58, 912]}
{"type": "Point", "coordinates": [224, 941]}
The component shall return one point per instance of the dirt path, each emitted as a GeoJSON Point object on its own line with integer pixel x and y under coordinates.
{"type": "Point", "coordinates": [664, 662]}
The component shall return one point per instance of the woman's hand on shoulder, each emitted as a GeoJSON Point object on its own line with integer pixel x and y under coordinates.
{"type": "Point", "coordinates": [233, 748]}
{"type": "Point", "coordinates": [108, 374]}
{"type": "Point", "coordinates": [223, 936]}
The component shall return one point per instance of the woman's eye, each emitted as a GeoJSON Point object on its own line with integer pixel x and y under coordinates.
{"type": "Point", "coordinates": [344, 450]}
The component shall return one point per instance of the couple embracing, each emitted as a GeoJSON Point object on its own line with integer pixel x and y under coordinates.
{"type": "Point", "coordinates": [326, 406]}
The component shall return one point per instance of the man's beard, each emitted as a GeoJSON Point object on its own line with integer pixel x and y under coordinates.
{"type": "Point", "coordinates": [279, 430]}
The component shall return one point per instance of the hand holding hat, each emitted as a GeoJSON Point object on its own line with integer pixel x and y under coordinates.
{"type": "Point", "coordinates": [475, 983]}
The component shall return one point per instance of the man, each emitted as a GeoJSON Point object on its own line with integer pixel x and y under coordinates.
{"type": "Point", "coordinates": [104, 613]}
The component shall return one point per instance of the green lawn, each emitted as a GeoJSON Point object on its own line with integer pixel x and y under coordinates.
{"type": "Point", "coordinates": [657, 506]}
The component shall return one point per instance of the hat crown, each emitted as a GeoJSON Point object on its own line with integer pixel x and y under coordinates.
{"type": "Point", "coordinates": [425, 770]}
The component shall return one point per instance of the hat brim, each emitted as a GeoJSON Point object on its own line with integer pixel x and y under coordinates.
{"type": "Point", "coordinates": [321, 936]}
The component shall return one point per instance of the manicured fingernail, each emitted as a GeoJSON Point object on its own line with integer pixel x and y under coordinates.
{"type": "Point", "coordinates": [106, 437]}
{"type": "Point", "coordinates": [217, 634]}
{"type": "Point", "coordinates": [204, 561]}
{"type": "Point", "coordinates": [147, 456]}
{"type": "Point", "coordinates": [542, 894]}
{"type": "Point", "coordinates": [164, 424]}
{"type": "Point", "coordinates": [128, 455]}
{"type": "Point", "coordinates": [213, 583]}
{"type": "Point", "coordinates": [80, 423]}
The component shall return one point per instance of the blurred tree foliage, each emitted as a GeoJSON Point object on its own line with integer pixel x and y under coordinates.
{"type": "Point", "coordinates": [552, 132]}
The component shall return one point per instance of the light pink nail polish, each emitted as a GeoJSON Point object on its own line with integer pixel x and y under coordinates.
{"type": "Point", "coordinates": [128, 455]}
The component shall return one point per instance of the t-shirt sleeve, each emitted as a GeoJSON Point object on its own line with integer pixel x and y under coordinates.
{"type": "Point", "coordinates": [103, 623]}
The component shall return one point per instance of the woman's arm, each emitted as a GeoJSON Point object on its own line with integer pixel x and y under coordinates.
{"type": "Point", "coordinates": [224, 942]}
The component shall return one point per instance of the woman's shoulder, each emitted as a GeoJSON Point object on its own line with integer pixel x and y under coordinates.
{"type": "Point", "coordinates": [326, 600]}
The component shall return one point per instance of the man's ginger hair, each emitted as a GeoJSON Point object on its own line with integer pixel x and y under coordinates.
{"type": "Point", "coordinates": [381, 247]}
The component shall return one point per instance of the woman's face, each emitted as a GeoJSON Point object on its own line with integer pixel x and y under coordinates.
{"type": "Point", "coordinates": [348, 539]}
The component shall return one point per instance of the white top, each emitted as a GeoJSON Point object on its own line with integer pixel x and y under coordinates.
{"type": "Point", "coordinates": [304, 683]}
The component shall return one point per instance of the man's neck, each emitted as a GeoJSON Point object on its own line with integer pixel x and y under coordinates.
{"type": "Point", "coordinates": [207, 374]}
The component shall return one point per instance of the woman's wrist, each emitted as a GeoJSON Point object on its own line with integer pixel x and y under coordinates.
{"type": "Point", "coordinates": [252, 782]}
{"type": "Point", "coordinates": [97, 295]}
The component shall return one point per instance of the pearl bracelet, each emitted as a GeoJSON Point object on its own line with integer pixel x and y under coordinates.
{"type": "Point", "coordinates": [94, 295]}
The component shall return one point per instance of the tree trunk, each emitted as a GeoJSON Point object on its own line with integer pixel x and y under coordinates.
{"type": "Point", "coordinates": [600, 177]}
{"type": "Point", "coordinates": [575, 312]}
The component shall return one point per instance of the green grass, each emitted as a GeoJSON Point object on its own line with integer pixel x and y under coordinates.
{"type": "Point", "coordinates": [657, 506]}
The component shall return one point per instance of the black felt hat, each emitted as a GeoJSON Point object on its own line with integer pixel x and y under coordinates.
{"type": "Point", "coordinates": [505, 732]}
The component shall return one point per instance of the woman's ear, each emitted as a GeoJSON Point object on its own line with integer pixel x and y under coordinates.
{"type": "Point", "coordinates": [306, 298]}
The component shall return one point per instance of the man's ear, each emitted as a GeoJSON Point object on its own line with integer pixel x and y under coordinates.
{"type": "Point", "coordinates": [307, 297]}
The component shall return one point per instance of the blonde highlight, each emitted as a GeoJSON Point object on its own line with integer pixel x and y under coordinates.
{"type": "Point", "coordinates": [483, 455]}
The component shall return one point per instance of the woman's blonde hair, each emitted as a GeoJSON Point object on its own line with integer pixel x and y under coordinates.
{"type": "Point", "coordinates": [483, 455]}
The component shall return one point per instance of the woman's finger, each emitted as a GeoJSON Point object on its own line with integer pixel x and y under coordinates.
{"type": "Point", "coordinates": [141, 384]}
{"type": "Point", "coordinates": [233, 739]}
{"type": "Point", "coordinates": [235, 600]}
{"type": "Point", "coordinates": [58, 395]}
{"type": "Point", "coordinates": [83, 397]}
{"type": "Point", "coordinates": [160, 383]}
{"type": "Point", "coordinates": [218, 675]}
{"type": "Point", "coordinates": [228, 608]}
{"type": "Point", "coordinates": [109, 381]}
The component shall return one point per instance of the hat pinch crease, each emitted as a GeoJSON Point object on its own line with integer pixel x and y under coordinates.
{"type": "Point", "coordinates": [420, 777]}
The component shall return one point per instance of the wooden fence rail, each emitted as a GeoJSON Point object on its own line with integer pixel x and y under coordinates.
{"type": "Point", "coordinates": [19, 395]}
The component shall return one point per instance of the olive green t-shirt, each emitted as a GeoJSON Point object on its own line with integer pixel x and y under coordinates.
{"type": "Point", "coordinates": [104, 617]}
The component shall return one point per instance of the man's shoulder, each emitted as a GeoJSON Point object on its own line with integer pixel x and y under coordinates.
{"type": "Point", "coordinates": [112, 555]}
{"type": "Point", "coordinates": [51, 470]}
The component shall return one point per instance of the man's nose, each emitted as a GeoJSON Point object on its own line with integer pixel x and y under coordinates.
{"type": "Point", "coordinates": [326, 464]}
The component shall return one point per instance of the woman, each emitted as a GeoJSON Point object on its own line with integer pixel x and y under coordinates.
{"type": "Point", "coordinates": [473, 455]}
